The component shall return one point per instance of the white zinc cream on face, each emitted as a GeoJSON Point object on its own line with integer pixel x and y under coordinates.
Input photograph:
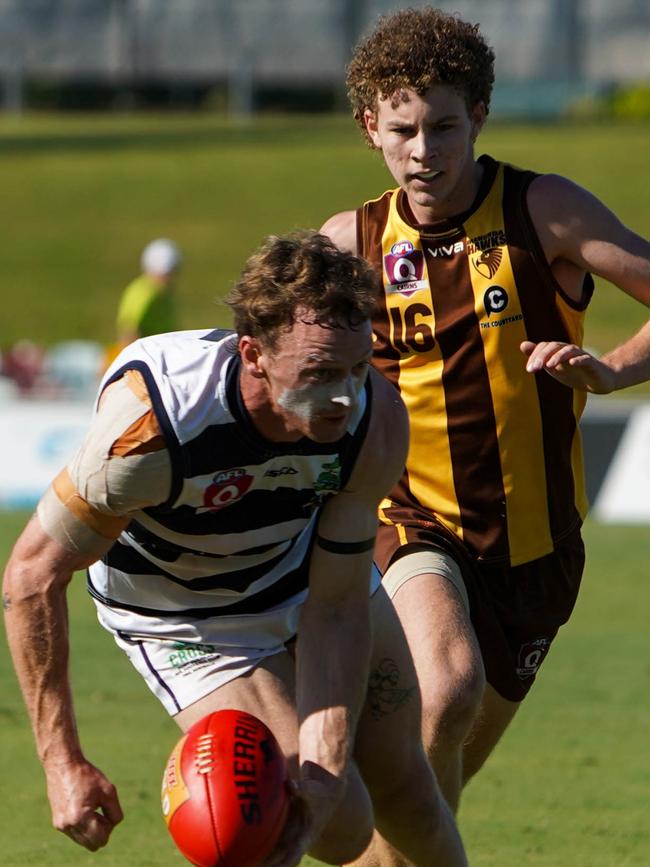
{"type": "Point", "coordinates": [311, 400]}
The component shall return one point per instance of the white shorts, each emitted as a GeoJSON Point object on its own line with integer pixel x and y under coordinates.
{"type": "Point", "coordinates": [179, 673]}
{"type": "Point", "coordinates": [425, 562]}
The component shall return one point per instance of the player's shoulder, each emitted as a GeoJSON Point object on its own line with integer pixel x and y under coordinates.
{"type": "Point", "coordinates": [561, 209]}
{"type": "Point", "coordinates": [390, 426]}
{"type": "Point", "coordinates": [341, 229]}
{"type": "Point", "coordinates": [179, 346]}
{"type": "Point", "coordinates": [556, 193]}
{"type": "Point", "coordinates": [383, 454]}
{"type": "Point", "coordinates": [386, 398]}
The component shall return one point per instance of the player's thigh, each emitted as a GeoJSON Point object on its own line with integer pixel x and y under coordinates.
{"type": "Point", "coordinates": [267, 692]}
{"type": "Point", "coordinates": [390, 721]}
{"type": "Point", "coordinates": [441, 637]}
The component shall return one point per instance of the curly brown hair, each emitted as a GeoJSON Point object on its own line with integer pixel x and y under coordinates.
{"type": "Point", "coordinates": [302, 271]}
{"type": "Point", "coordinates": [415, 48]}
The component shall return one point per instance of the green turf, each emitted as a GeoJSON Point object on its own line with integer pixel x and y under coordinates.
{"type": "Point", "coordinates": [81, 196]}
{"type": "Point", "coordinates": [568, 785]}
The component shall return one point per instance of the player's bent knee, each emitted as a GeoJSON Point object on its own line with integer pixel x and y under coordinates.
{"type": "Point", "coordinates": [401, 774]}
{"type": "Point", "coordinates": [350, 830]}
{"type": "Point", "coordinates": [450, 706]}
{"type": "Point", "coordinates": [343, 848]}
{"type": "Point", "coordinates": [410, 803]}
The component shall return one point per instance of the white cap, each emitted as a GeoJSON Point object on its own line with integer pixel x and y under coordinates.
{"type": "Point", "coordinates": [161, 256]}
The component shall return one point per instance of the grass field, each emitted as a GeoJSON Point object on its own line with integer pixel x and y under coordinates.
{"type": "Point", "coordinates": [568, 785]}
{"type": "Point", "coordinates": [82, 195]}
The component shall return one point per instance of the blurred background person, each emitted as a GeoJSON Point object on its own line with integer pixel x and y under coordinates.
{"type": "Point", "coordinates": [148, 304]}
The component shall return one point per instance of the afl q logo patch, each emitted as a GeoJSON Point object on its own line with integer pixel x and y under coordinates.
{"type": "Point", "coordinates": [404, 267]}
{"type": "Point", "coordinates": [495, 300]}
{"type": "Point", "coordinates": [226, 489]}
{"type": "Point", "coordinates": [531, 656]}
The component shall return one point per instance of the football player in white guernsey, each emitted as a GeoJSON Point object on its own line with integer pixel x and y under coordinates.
{"type": "Point", "coordinates": [225, 503]}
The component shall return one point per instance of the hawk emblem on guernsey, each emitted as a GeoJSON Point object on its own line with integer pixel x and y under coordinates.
{"type": "Point", "coordinates": [488, 261]}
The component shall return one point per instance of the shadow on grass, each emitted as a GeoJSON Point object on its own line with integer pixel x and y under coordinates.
{"type": "Point", "coordinates": [267, 134]}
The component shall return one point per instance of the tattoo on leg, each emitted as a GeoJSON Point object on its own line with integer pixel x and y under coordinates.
{"type": "Point", "coordinates": [384, 693]}
{"type": "Point", "coordinates": [6, 601]}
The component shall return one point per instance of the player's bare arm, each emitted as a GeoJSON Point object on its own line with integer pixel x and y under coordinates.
{"type": "Point", "coordinates": [84, 803]}
{"type": "Point", "coordinates": [68, 533]}
{"type": "Point", "coordinates": [579, 234]}
{"type": "Point", "coordinates": [342, 230]}
{"type": "Point", "coordinates": [331, 686]}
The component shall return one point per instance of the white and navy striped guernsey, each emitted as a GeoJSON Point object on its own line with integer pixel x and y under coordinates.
{"type": "Point", "coordinates": [233, 539]}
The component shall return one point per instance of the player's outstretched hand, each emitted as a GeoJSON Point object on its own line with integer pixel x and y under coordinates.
{"type": "Point", "coordinates": [84, 803]}
{"type": "Point", "coordinates": [311, 806]}
{"type": "Point", "coordinates": [571, 365]}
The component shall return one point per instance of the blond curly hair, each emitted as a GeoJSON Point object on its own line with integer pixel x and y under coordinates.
{"type": "Point", "coordinates": [414, 49]}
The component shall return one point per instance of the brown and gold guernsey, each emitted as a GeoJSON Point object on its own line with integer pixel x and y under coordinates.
{"type": "Point", "coordinates": [495, 452]}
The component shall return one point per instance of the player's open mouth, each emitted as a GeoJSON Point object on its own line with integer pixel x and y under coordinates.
{"type": "Point", "coordinates": [425, 176]}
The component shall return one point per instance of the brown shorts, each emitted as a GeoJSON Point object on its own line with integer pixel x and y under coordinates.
{"type": "Point", "coordinates": [516, 611]}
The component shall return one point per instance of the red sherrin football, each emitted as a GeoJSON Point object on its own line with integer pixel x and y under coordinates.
{"type": "Point", "coordinates": [224, 793]}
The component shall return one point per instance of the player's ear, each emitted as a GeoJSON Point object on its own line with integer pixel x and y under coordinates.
{"type": "Point", "coordinates": [250, 351]}
{"type": "Point", "coordinates": [370, 121]}
{"type": "Point", "coordinates": [477, 117]}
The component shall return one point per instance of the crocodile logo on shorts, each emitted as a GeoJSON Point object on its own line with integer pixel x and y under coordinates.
{"type": "Point", "coordinates": [329, 478]}
{"type": "Point", "coordinates": [184, 653]}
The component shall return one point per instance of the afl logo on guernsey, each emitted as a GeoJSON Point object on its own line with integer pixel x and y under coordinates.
{"type": "Point", "coordinates": [404, 267]}
{"type": "Point", "coordinates": [227, 487]}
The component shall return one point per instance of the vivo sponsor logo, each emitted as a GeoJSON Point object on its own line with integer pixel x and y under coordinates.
{"type": "Point", "coordinates": [446, 251]}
